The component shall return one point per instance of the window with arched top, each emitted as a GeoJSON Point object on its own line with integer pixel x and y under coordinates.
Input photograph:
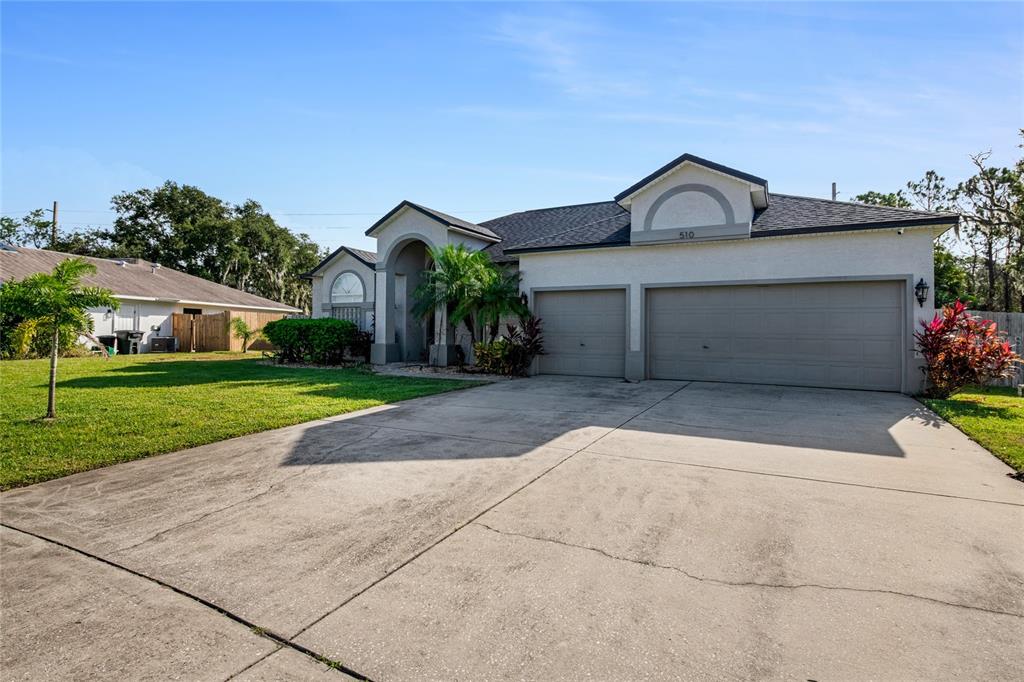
{"type": "Point", "coordinates": [347, 288]}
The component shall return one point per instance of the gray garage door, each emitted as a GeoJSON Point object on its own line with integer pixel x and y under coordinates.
{"type": "Point", "coordinates": [837, 335]}
{"type": "Point", "coordinates": [584, 332]}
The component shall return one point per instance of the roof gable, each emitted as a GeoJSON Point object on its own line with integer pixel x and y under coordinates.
{"type": "Point", "coordinates": [625, 196]}
{"type": "Point", "coordinates": [367, 258]}
{"type": "Point", "coordinates": [448, 221]}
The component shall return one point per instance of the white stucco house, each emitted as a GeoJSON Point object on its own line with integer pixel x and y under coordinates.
{"type": "Point", "coordinates": [697, 272]}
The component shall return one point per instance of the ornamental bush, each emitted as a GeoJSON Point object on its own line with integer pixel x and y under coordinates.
{"type": "Point", "coordinates": [960, 349]}
{"type": "Point", "coordinates": [321, 341]}
{"type": "Point", "coordinates": [512, 354]}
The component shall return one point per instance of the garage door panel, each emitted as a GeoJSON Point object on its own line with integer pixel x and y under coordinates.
{"type": "Point", "coordinates": [584, 332]}
{"type": "Point", "coordinates": [838, 334]}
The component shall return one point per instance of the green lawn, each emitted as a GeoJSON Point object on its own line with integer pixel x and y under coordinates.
{"type": "Point", "coordinates": [993, 417]}
{"type": "Point", "coordinates": [128, 407]}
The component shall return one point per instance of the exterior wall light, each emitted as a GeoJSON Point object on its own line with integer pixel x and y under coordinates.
{"type": "Point", "coordinates": [921, 292]}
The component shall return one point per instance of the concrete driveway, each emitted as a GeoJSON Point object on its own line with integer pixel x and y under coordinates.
{"type": "Point", "coordinates": [545, 528]}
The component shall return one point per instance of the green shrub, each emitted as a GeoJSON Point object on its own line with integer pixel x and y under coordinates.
{"type": "Point", "coordinates": [23, 339]}
{"type": "Point", "coordinates": [360, 346]}
{"type": "Point", "coordinates": [322, 341]}
{"type": "Point", "coordinates": [512, 354]}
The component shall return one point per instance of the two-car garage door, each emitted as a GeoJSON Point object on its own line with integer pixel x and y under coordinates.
{"type": "Point", "coordinates": [829, 334]}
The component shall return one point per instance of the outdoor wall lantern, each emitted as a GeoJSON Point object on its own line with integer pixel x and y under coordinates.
{"type": "Point", "coordinates": [921, 292]}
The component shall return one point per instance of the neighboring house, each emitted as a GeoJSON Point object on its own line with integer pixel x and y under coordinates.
{"type": "Point", "coordinates": [148, 293]}
{"type": "Point", "coordinates": [695, 272]}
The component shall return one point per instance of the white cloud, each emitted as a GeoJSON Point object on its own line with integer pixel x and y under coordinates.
{"type": "Point", "coordinates": [567, 49]}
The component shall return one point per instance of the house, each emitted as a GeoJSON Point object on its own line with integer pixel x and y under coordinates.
{"type": "Point", "coordinates": [696, 271]}
{"type": "Point", "coordinates": [148, 293]}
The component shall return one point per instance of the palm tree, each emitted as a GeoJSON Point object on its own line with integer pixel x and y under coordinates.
{"type": "Point", "coordinates": [453, 283]}
{"type": "Point", "coordinates": [56, 301]}
{"type": "Point", "coordinates": [244, 332]}
{"type": "Point", "coordinates": [498, 297]}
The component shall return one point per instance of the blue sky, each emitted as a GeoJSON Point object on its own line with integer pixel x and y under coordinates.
{"type": "Point", "coordinates": [483, 109]}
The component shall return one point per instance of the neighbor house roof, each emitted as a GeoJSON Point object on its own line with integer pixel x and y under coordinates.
{"type": "Point", "coordinates": [137, 279]}
{"type": "Point", "coordinates": [607, 223]}
{"type": "Point", "coordinates": [367, 258]}
{"type": "Point", "coordinates": [443, 218]}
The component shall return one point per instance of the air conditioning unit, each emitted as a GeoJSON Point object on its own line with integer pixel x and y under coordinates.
{"type": "Point", "coordinates": [163, 344]}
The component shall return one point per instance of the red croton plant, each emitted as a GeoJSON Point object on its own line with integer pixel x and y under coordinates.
{"type": "Point", "coordinates": [960, 349]}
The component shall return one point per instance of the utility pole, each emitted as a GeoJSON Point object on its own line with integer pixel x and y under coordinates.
{"type": "Point", "coordinates": [835, 193]}
{"type": "Point", "coordinates": [53, 230]}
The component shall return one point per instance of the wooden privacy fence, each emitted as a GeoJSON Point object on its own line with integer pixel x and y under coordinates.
{"type": "Point", "coordinates": [213, 332]}
{"type": "Point", "coordinates": [1012, 324]}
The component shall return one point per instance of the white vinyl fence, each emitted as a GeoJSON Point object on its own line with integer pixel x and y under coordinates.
{"type": "Point", "coordinates": [1012, 324]}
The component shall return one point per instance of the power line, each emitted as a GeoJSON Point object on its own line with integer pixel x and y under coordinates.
{"type": "Point", "coordinates": [68, 223]}
{"type": "Point", "coordinates": [273, 212]}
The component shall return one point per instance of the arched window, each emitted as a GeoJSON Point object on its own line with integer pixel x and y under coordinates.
{"type": "Point", "coordinates": [347, 288]}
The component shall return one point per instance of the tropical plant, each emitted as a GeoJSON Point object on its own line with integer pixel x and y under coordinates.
{"type": "Point", "coordinates": [471, 289]}
{"type": "Point", "coordinates": [56, 301]}
{"type": "Point", "coordinates": [453, 283]}
{"type": "Point", "coordinates": [243, 331]}
{"type": "Point", "coordinates": [960, 349]}
{"type": "Point", "coordinates": [497, 298]}
{"type": "Point", "coordinates": [512, 355]}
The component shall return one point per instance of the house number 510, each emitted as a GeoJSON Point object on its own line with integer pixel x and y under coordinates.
{"type": "Point", "coordinates": [687, 234]}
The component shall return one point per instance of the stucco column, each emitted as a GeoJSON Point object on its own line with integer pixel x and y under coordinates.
{"type": "Point", "coordinates": [443, 350]}
{"type": "Point", "coordinates": [384, 348]}
{"type": "Point", "coordinates": [634, 350]}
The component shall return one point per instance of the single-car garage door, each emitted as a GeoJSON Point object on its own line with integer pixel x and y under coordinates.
{"type": "Point", "coordinates": [584, 332]}
{"type": "Point", "coordinates": [834, 334]}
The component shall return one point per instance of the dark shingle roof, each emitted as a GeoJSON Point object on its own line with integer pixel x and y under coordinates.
{"type": "Point", "coordinates": [450, 221]}
{"type": "Point", "coordinates": [136, 279]}
{"type": "Point", "coordinates": [788, 214]}
{"type": "Point", "coordinates": [368, 258]}
{"type": "Point", "coordinates": [594, 225]}
{"type": "Point", "coordinates": [579, 224]}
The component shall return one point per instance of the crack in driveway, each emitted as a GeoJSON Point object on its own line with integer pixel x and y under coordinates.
{"type": "Point", "coordinates": [257, 630]}
{"type": "Point", "coordinates": [459, 527]}
{"type": "Point", "coordinates": [697, 465]}
{"type": "Point", "coordinates": [742, 583]}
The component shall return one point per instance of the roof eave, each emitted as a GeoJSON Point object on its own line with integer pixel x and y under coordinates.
{"type": "Point", "coordinates": [281, 308]}
{"type": "Point", "coordinates": [568, 247]}
{"type": "Point", "coordinates": [856, 227]}
{"type": "Point", "coordinates": [477, 235]}
{"type": "Point", "coordinates": [825, 229]}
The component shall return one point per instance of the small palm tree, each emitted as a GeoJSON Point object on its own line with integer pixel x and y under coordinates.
{"type": "Point", "coordinates": [55, 301]}
{"type": "Point", "coordinates": [453, 283]}
{"type": "Point", "coordinates": [497, 297]}
{"type": "Point", "coordinates": [244, 332]}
